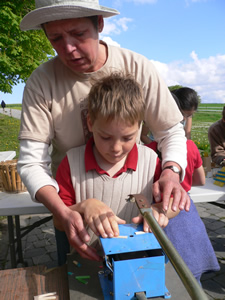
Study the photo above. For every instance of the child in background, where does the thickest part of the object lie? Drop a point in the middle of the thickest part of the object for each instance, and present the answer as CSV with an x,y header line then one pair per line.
x,y
96,179
187,101
216,135
188,104
191,241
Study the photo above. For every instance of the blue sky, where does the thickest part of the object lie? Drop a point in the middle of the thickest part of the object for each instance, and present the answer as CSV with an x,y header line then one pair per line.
x,y
185,39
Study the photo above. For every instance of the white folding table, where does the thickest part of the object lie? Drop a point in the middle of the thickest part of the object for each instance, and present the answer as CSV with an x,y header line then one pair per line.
x,y
7,155
208,192
14,205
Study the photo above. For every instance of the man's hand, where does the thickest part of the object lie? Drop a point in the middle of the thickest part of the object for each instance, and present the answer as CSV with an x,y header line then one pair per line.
x,y
167,185
69,221
78,236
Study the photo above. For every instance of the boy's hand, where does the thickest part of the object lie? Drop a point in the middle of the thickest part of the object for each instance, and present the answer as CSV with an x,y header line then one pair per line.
x,y
158,213
100,218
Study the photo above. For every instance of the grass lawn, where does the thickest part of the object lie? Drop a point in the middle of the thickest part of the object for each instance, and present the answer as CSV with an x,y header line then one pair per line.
x,y
14,106
9,130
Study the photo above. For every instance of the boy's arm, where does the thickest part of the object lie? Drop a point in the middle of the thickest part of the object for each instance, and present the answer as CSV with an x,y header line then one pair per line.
x,y
198,177
161,216
187,128
144,134
99,217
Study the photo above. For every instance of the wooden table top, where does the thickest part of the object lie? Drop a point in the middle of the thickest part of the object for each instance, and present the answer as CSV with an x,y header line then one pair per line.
x,y
25,283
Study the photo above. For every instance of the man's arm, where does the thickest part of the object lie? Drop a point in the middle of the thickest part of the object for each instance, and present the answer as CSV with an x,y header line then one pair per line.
x,y
172,145
33,167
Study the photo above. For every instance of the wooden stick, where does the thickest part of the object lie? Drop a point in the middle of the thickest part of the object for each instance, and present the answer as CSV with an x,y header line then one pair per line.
x,y
13,177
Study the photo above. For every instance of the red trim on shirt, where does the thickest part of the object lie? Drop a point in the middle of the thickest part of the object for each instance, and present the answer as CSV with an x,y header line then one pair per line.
x,y
91,163
63,177
194,161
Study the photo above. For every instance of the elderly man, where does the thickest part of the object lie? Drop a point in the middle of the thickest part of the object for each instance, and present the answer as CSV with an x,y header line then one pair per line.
x,y
54,107
216,135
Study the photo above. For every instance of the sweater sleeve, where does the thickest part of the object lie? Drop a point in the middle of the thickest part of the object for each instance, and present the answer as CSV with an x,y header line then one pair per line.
x,y
33,166
172,145
158,169
63,178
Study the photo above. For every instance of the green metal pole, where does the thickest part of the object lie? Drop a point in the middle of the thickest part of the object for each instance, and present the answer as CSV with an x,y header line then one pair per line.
x,y
189,281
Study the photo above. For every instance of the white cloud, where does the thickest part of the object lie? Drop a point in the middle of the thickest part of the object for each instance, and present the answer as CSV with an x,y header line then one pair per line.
x,y
109,41
115,26
206,76
143,1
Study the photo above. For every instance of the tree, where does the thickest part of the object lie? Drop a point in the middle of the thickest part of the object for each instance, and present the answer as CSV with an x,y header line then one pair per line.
x,y
20,52
175,87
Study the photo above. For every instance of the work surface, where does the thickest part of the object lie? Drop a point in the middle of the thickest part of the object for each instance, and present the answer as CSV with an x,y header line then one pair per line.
x,y
207,193
25,283
92,290
7,155
19,204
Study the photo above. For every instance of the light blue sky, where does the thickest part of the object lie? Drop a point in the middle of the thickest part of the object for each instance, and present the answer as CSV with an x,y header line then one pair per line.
x,y
185,39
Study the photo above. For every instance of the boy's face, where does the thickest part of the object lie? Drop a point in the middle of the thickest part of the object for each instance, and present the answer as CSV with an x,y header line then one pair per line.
x,y
113,139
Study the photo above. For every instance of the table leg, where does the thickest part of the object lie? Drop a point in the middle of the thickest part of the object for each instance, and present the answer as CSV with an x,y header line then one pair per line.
x,y
19,242
11,241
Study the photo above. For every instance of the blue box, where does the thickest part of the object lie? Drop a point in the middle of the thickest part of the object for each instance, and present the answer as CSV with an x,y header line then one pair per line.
x,y
134,263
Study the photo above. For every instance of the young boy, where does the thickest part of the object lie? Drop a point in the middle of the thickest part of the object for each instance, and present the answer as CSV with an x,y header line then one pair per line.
x,y
96,179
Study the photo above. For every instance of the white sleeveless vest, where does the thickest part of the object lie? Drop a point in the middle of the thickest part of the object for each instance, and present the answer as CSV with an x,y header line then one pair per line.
x,y
114,191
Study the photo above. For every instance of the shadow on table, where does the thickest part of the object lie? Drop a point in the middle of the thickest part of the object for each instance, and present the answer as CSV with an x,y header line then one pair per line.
x,y
79,290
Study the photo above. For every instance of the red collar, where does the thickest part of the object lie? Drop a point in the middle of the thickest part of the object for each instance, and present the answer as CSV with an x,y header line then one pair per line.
x,y
91,163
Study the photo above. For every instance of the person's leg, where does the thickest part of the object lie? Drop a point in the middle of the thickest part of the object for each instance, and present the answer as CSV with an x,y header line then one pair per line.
x,y
63,246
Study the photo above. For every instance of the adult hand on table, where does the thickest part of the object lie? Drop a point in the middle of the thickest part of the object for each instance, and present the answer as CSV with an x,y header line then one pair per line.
x,y
167,185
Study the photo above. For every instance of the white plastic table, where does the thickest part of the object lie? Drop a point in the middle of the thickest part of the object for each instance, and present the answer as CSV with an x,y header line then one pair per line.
x,y
207,193
7,155
14,205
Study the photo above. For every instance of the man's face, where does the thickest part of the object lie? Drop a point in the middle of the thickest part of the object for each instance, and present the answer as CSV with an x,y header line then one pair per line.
x,y
76,43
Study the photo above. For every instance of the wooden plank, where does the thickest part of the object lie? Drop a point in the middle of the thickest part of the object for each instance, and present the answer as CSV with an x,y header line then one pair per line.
x,y
25,283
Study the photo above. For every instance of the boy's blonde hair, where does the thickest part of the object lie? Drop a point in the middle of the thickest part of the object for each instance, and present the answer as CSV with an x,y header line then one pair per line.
x,y
117,96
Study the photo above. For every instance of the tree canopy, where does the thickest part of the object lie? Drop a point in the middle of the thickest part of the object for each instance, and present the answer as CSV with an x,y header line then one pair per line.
x,y
20,51
175,87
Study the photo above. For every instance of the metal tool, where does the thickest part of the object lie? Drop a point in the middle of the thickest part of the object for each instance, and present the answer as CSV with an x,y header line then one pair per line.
x,y
189,281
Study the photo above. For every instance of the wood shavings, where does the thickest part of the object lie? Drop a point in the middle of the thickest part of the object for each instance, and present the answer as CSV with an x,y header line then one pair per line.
x,y
48,296
50,270
76,263
140,232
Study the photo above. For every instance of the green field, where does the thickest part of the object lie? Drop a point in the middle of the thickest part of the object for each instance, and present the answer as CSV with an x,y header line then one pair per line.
x,y
14,106
202,119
